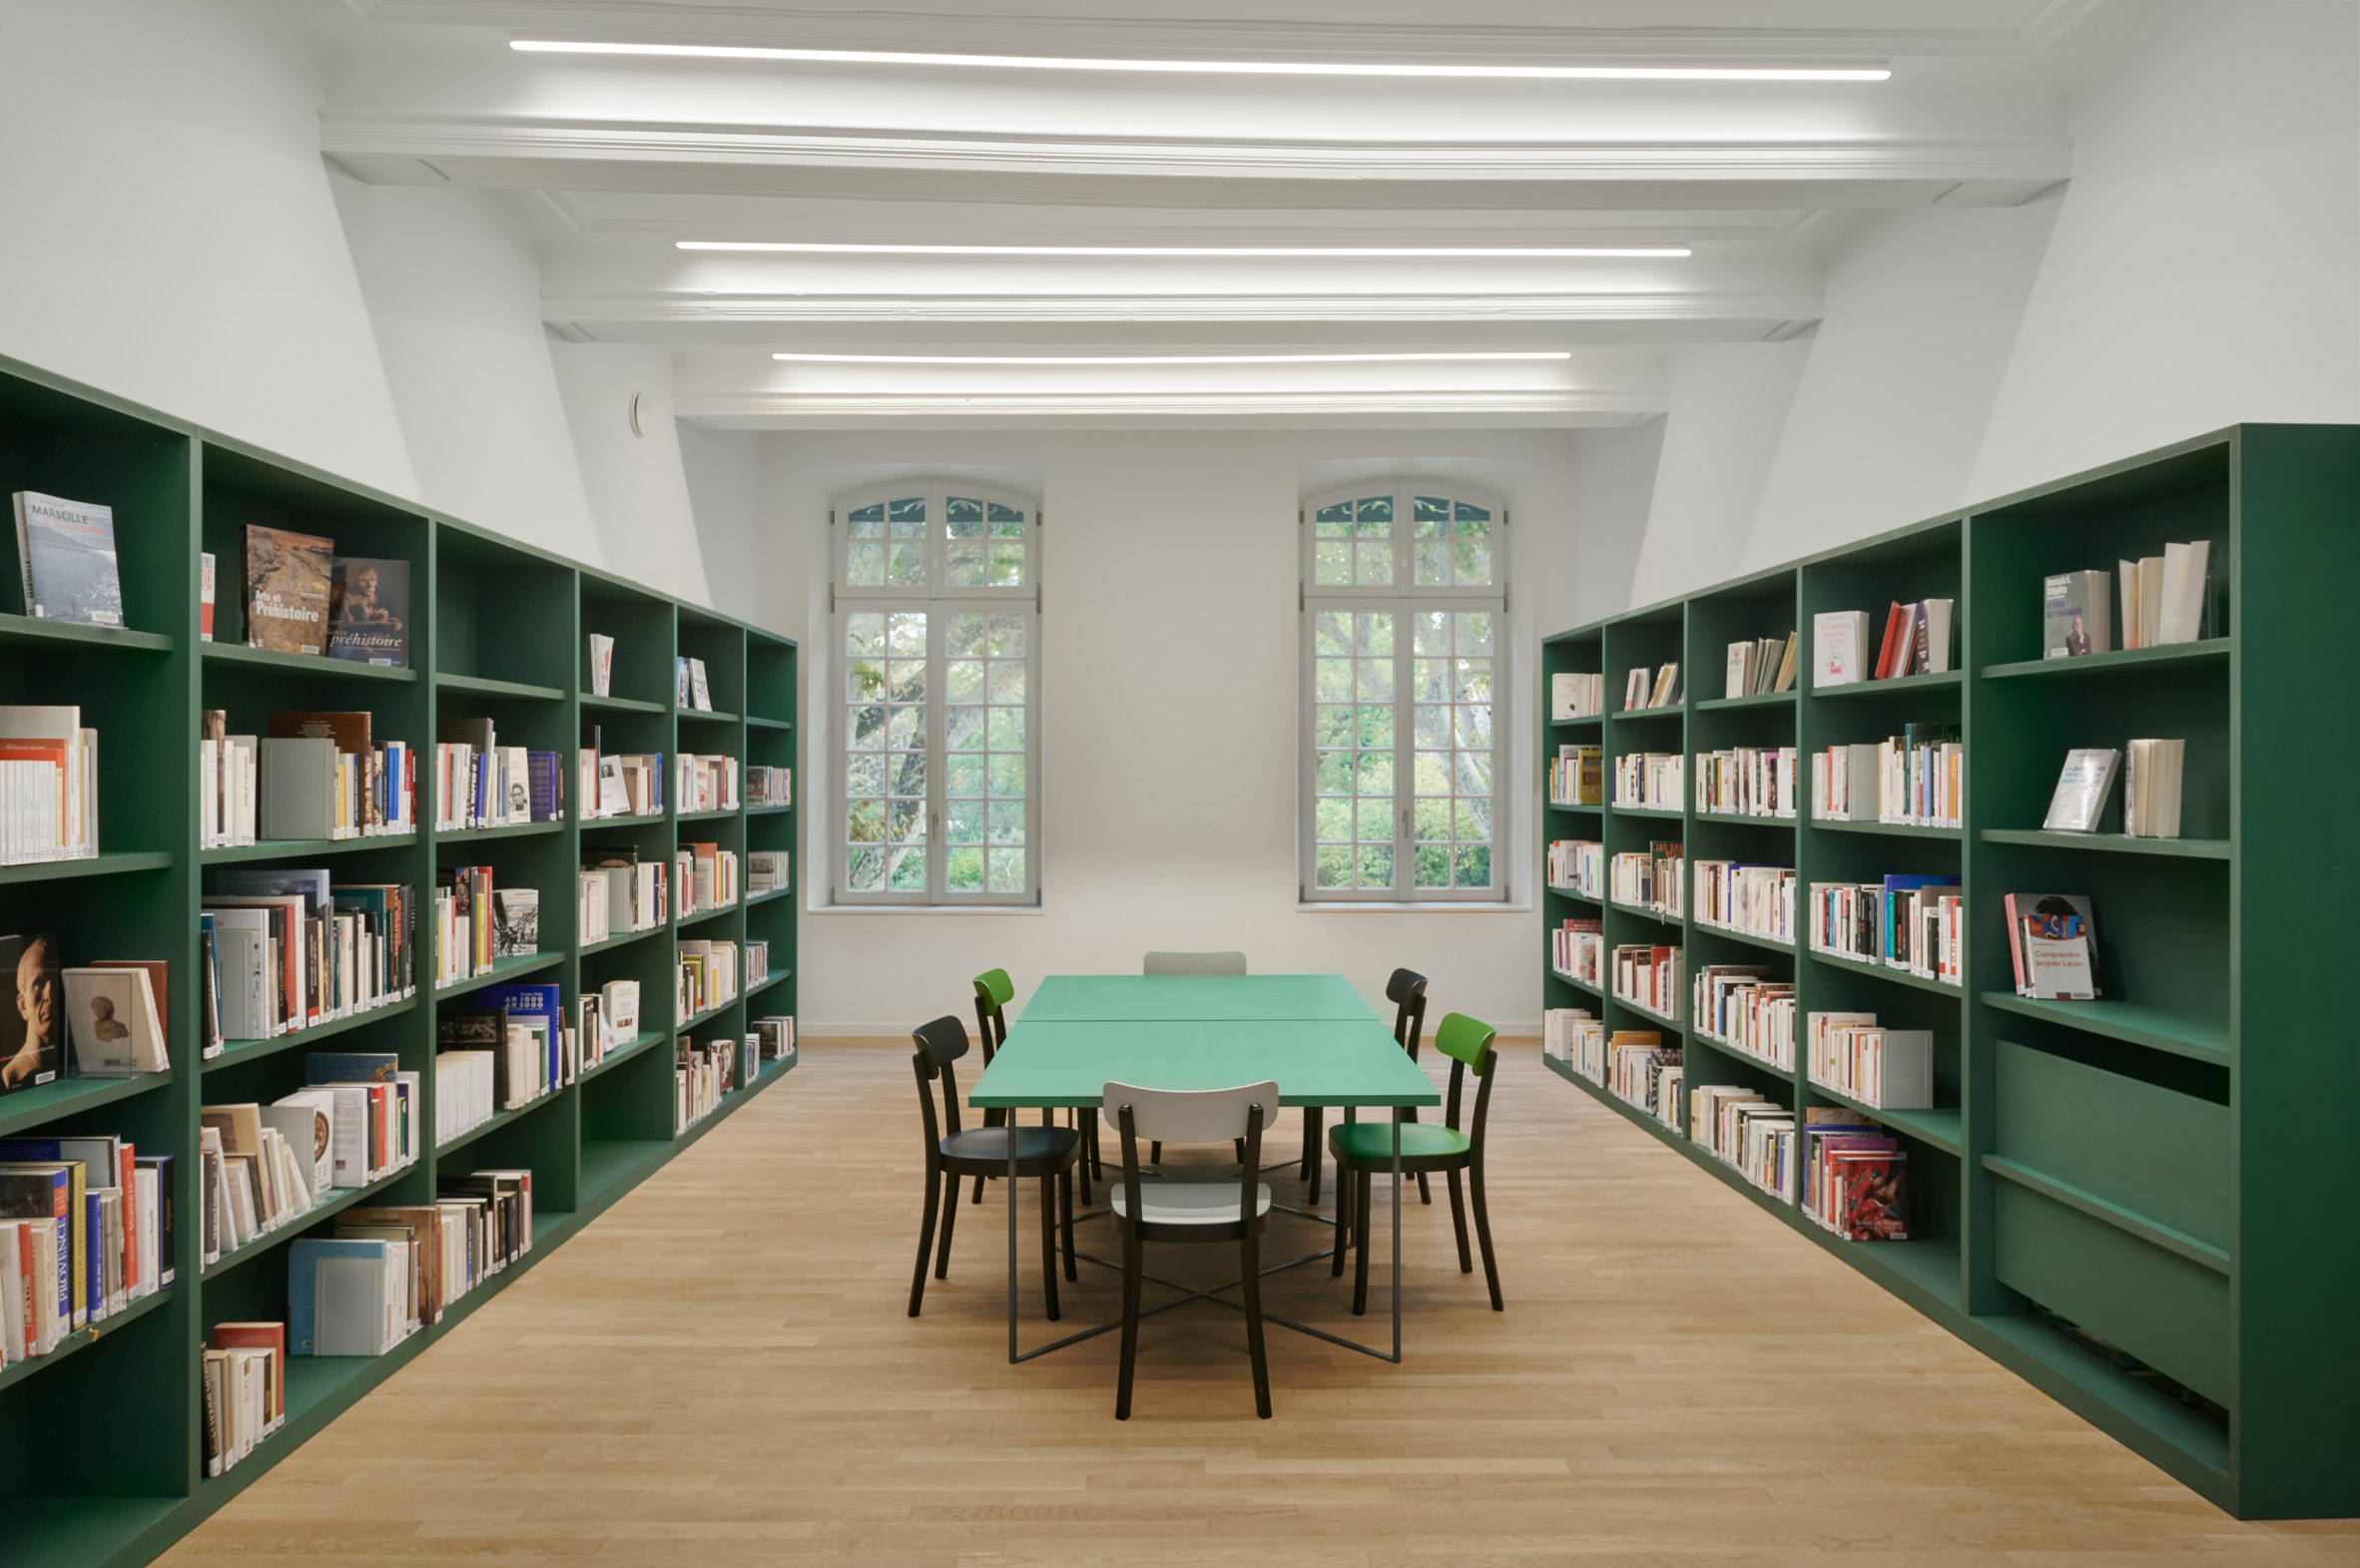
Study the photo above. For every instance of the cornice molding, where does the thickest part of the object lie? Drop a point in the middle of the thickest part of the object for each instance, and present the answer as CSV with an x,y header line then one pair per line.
x,y
442,136
683,306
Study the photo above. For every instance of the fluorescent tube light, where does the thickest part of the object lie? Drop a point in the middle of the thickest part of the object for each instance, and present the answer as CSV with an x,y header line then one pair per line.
x,y
1160,358
1536,73
830,247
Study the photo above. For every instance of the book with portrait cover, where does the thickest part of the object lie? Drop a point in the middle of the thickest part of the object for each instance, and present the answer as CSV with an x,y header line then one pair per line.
x,y
67,550
287,580
32,1019
368,611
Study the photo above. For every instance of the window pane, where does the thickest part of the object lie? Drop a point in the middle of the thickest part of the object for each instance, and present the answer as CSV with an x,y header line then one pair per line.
x,y
1376,726
1334,867
1474,863
908,873
962,518
865,727
1376,867
905,822
1008,637
963,872
867,871
1331,563
1333,820
1332,681
1330,725
1332,522
1008,729
1375,772
962,681
1475,522
963,565
866,522
1006,521
907,517
865,822
1474,822
1432,632
1473,563
962,728
1434,867
865,633
963,822
905,680
1473,683
1375,514
863,774
1375,680
1007,821
1372,564
1474,632
1008,681
1434,726
865,680
1475,773
905,773
1431,821
1430,772
905,633
906,726
962,636
963,775
1430,517
1429,680
864,565
1008,777
908,568
1007,870
1331,634
1434,564
1376,819
1372,630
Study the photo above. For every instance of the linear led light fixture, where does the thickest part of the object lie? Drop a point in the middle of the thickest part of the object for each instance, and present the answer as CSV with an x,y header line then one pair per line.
x,y
1193,250
1535,73
1162,358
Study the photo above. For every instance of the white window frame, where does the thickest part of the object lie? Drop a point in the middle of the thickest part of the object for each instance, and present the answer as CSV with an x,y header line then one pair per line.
x,y
938,602
1402,597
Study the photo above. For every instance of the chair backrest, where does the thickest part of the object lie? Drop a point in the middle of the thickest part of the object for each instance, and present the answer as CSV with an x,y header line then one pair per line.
x,y
994,991
1193,963
1192,1116
939,1044
1467,1043
1406,991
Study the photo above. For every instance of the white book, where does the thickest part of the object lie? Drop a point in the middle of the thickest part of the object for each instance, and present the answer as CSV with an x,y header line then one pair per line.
x,y
602,665
350,1296
2081,790
1837,638
2126,580
2184,595
2059,967
2150,600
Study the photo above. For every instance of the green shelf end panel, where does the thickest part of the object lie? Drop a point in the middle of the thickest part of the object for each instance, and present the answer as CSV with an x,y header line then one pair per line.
x,y
497,630
2099,1193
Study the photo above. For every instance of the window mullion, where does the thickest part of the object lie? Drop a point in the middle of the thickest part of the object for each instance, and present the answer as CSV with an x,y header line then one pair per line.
x,y
1404,714
937,877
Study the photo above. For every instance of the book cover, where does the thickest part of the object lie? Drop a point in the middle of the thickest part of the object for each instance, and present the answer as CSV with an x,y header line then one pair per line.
x,y
33,1030
2083,786
158,1167
516,923
351,1067
602,665
1873,1205
368,611
66,549
2054,915
204,597
117,1028
2075,617
289,577
1838,638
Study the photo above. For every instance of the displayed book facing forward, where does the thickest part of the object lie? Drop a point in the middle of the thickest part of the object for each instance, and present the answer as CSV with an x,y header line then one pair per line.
x,y
67,552
368,611
2082,789
290,578
2075,615
1574,694
2053,943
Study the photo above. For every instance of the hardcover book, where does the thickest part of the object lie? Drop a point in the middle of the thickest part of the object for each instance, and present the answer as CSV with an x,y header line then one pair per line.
x,y
516,923
289,577
66,549
2077,615
368,611
33,1029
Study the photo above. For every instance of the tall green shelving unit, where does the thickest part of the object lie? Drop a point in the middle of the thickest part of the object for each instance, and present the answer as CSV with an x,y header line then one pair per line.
x,y
100,1459
2168,1169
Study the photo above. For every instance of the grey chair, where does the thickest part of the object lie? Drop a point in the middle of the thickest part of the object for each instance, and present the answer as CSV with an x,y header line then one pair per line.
x,y
1220,1210
1193,963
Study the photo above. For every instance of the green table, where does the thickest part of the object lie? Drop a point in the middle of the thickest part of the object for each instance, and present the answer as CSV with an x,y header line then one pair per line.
x,y
1093,998
1309,1034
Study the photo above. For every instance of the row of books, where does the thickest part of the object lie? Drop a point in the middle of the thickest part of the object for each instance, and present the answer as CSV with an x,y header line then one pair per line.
x,y
623,784
287,948
477,923
1756,900
707,976
2152,785
315,774
389,1273
1746,1008
706,784
1917,641
770,786
708,877
478,782
1573,1036
1913,923
1748,1131
1761,666
1655,780
1648,976
705,1075
1577,866
1747,781
1889,1069
1576,777
48,807
245,1390
87,1232
2164,599
1917,778
2052,945
1644,1071
1578,948
511,1045
113,1009
1648,878
356,1120
620,893
689,686
1574,695
1855,1177
1641,690
767,871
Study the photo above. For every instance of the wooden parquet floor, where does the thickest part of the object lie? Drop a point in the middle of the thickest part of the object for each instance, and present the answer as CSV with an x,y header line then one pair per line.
x,y
719,1371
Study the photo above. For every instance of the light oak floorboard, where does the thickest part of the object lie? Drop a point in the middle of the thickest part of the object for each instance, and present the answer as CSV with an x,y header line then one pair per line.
x,y
719,1371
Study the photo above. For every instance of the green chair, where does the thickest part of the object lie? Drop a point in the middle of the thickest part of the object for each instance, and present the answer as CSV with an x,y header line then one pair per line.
x,y
1364,1149
994,991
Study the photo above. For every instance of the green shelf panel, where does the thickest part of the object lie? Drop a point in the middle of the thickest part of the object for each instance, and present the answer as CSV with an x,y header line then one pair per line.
x,y
303,848
2158,1030
1579,984
1573,806
83,1339
314,664
237,1052
1887,829
1646,914
619,940
502,972
87,865
760,722
2110,843
1659,812
775,977
763,898
1577,893
2194,1249
620,704
1917,982
1667,711
70,1097
458,835
709,1013
271,1240
1742,820
34,631
622,1163
707,817
1772,943
1948,680
620,1054
707,715
1941,1128
1785,699
702,916
1582,722
768,810
2129,661
484,686
1664,1020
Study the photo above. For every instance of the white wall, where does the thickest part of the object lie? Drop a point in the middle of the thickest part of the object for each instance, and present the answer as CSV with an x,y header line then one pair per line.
x,y
171,238
1169,715
643,525
1613,488
1728,411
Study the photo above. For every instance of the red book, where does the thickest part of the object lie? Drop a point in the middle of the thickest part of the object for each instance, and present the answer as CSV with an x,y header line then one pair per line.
x,y
1876,1196
1886,650
260,1337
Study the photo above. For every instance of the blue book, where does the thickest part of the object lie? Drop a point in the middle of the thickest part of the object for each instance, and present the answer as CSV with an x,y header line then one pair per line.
x,y
303,1259
351,1067
543,785
541,1006
94,1256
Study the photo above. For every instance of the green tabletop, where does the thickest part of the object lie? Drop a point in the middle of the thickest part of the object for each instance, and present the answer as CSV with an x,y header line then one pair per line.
x,y
1091,998
1313,1061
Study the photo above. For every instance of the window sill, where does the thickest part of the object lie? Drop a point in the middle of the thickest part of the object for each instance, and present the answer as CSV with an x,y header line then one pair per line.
x,y
926,909
1435,906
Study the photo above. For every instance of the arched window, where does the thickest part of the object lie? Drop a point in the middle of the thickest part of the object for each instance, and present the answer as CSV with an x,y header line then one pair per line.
x,y
1404,655
937,742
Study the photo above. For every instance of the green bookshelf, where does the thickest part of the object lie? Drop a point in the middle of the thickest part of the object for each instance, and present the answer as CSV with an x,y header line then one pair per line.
x,y
2117,1200
498,629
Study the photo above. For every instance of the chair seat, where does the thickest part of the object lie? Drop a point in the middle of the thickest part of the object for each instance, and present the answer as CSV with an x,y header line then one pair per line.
x,y
1189,1202
1370,1143
991,1144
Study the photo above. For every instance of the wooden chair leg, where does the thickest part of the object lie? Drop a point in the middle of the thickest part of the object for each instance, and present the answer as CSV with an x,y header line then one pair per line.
x,y
1249,1256
1130,1352
926,1242
1066,1203
1048,1241
1483,1219
1314,1143
1344,1179
1361,1200
949,1222
1458,1224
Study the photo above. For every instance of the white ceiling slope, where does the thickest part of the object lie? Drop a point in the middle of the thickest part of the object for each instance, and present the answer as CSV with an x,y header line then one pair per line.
x,y
608,159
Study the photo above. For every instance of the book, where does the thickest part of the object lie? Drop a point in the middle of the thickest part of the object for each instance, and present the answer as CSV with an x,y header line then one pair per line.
x,y
602,665
2075,615
1930,623
32,1031
2059,921
700,694
1838,641
516,923
204,597
368,611
48,784
2082,789
289,577
2152,787
116,1024
67,552
1572,695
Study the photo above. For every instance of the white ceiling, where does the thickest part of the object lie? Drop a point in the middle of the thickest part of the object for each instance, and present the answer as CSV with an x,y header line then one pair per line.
x,y
607,160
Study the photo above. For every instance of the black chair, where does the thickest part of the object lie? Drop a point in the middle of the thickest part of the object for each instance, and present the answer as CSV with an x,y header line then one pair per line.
x,y
1184,1210
952,1155
1406,991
